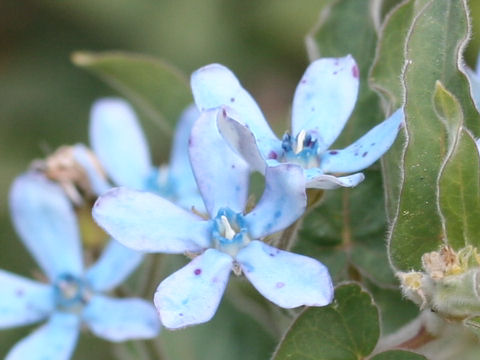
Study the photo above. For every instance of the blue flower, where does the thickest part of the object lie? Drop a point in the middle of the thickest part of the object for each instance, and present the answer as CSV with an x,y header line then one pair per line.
x,y
45,221
229,239
323,102
474,79
120,145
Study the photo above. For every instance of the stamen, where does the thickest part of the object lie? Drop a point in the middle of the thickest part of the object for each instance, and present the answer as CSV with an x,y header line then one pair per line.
x,y
229,232
300,139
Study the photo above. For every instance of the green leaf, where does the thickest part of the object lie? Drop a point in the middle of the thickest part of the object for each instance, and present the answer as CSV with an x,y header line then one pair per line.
x,y
435,39
459,180
459,193
160,91
398,355
385,78
395,309
346,329
347,233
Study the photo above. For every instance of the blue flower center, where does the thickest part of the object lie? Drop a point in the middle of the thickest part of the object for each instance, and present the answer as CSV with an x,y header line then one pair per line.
x,y
300,150
229,233
71,293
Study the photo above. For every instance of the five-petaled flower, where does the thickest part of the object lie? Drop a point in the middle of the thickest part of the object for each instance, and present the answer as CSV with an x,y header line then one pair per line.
x,y
45,220
323,102
120,145
229,240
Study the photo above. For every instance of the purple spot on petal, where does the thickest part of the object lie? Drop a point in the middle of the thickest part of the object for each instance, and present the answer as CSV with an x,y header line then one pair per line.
x,y
355,71
189,141
181,314
364,154
372,144
312,109
356,154
280,285
333,152
335,72
19,292
197,271
232,99
336,63
272,155
303,81
233,166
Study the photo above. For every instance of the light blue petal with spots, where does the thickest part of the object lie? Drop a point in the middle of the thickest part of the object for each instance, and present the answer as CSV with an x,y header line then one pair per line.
x,y
45,221
243,141
55,340
474,79
192,294
222,175
318,180
23,301
118,141
216,86
283,201
325,98
180,174
286,279
147,222
115,264
366,150
121,319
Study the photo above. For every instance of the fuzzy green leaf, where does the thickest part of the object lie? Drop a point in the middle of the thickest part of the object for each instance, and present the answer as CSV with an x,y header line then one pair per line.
x,y
435,39
160,91
459,193
346,329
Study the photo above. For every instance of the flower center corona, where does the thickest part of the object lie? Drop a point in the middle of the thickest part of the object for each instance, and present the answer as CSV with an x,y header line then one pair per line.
x,y
71,293
301,150
230,233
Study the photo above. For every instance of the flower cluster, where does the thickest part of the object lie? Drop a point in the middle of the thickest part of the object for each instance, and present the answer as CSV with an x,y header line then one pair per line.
x,y
196,206
44,218
228,141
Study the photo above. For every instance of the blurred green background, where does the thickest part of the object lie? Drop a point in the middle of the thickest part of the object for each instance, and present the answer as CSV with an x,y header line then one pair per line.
x,y
45,100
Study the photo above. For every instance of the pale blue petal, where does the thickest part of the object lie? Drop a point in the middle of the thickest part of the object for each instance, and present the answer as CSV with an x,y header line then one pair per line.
x,y
366,150
318,180
115,265
243,141
286,279
216,86
44,218
97,181
477,68
23,301
283,201
191,295
121,319
55,340
474,79
325,98
118,141
147,222
222,175
180,174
